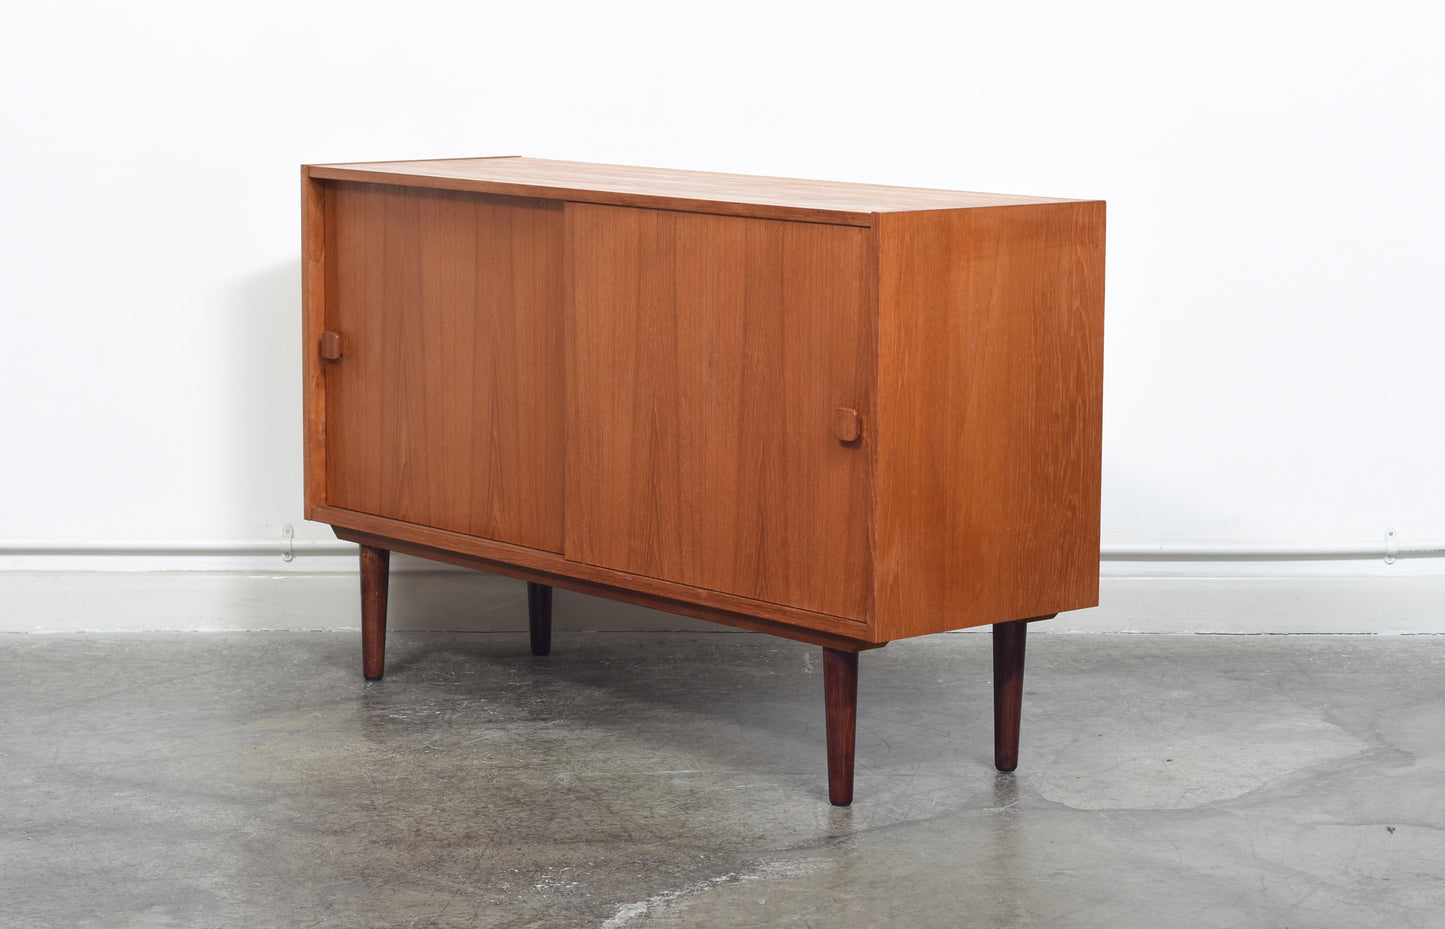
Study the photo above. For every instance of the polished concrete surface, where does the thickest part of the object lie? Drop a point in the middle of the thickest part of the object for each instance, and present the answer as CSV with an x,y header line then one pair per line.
x,y
650,780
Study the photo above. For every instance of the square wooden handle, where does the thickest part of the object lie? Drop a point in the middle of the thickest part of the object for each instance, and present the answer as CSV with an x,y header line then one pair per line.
x,y
847,425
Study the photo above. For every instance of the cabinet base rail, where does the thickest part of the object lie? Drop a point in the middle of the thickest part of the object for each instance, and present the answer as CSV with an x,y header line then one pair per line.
x,y
840,671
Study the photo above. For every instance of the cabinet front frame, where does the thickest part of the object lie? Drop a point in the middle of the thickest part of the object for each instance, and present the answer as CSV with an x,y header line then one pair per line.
x,y
848,632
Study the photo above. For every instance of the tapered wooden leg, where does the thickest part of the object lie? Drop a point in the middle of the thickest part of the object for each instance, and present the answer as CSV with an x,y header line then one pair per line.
x,y
375,573
1008,692
539,617
840,695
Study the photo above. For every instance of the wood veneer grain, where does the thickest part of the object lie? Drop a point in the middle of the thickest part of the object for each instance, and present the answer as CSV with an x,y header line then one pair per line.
x,y
313,321
548,568
708,357
661,188
989,414
447,408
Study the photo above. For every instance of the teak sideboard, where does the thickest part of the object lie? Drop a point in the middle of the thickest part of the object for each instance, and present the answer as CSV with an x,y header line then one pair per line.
x,y
839,413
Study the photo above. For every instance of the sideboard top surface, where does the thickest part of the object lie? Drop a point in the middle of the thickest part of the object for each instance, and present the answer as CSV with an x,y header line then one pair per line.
x,y
781,198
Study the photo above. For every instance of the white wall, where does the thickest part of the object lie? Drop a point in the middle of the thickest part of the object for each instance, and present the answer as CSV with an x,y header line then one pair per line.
x,y
1276,311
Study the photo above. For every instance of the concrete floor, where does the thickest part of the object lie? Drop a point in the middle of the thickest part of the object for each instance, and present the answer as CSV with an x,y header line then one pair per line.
x,y
651,780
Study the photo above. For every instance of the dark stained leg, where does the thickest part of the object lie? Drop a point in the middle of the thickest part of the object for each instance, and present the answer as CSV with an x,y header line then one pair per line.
x,y
539,617
1008,692
375,572
840,695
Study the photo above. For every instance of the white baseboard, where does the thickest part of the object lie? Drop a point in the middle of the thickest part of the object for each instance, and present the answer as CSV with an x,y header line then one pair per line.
x,y
442,599
424,599
1300,604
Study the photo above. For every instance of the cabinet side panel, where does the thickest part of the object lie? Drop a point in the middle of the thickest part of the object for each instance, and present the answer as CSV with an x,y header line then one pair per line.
x,y
313,315
990,411
711,355
446,407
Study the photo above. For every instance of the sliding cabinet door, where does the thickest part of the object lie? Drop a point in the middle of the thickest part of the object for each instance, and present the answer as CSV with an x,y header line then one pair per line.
x,y
446,407
710,357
